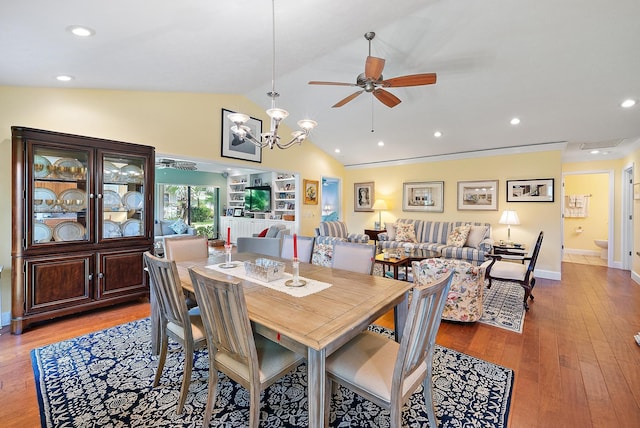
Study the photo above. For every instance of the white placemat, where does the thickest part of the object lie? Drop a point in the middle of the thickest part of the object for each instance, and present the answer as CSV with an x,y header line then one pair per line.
x,y
312,286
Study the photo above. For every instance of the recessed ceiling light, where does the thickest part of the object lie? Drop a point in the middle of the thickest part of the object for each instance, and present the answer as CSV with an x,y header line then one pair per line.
x,y
628,103
515,121
64,78
437,134
380,143
594,152
80,31
337,150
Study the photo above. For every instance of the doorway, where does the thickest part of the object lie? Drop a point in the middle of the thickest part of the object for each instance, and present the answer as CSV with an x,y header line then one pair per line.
x,y
587,217
330,198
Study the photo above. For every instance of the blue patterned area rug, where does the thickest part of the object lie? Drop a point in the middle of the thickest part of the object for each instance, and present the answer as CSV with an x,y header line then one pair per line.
x,y
502,306
104,379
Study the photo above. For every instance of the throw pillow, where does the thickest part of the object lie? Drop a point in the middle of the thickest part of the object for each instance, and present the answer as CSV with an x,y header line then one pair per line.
x,y
405,232
263,233
476,235
179,226
391,231
273,231
458,236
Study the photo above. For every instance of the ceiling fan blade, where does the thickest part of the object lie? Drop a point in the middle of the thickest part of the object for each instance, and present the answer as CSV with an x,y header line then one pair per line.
x,y
410,80
314,82
373,67
386,97
346,100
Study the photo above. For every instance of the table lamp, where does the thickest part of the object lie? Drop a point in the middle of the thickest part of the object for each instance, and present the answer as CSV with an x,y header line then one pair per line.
x,y
379,205
509,217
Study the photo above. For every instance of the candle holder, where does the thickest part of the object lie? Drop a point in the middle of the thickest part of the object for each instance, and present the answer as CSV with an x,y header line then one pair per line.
x,y
227,252
295,281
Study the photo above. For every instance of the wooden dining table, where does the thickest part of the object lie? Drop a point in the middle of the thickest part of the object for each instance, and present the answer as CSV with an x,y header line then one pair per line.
x,y
318,324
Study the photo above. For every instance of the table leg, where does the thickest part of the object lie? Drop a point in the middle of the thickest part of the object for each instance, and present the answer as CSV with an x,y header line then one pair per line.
x,y
316,386
400,313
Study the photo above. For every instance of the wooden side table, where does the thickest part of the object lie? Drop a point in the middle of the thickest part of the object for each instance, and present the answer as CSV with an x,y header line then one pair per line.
x,y
373,233
394,262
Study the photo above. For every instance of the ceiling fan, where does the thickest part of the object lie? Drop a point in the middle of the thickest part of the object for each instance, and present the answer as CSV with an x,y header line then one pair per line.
x,y
372,81
176,164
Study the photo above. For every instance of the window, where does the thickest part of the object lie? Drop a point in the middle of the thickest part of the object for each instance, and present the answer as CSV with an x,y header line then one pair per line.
x,y
197,205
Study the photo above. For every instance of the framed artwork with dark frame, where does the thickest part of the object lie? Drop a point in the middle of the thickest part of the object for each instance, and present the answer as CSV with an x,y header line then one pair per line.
x,y
478,195
534,190
237,212
363,196
425,196
233,147
310,191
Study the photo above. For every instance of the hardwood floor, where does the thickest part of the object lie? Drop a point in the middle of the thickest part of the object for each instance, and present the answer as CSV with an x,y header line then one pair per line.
x,y
576,363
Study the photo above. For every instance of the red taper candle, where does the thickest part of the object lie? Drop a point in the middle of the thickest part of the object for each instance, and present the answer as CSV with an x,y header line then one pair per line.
x,y
295,246
228,236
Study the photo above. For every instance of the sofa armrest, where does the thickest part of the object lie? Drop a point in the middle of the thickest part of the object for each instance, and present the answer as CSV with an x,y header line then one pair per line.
x,y
486,245
359,238
383,236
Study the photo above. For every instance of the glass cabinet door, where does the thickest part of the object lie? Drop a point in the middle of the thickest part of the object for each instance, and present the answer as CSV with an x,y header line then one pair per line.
x,y
123,196
60,195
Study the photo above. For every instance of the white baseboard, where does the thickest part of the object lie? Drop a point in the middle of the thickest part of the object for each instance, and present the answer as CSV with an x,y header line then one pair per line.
x,y
582,252
635,277
548,274
5,319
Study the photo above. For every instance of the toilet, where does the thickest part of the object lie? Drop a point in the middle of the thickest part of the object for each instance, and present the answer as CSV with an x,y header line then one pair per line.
x,y
603,244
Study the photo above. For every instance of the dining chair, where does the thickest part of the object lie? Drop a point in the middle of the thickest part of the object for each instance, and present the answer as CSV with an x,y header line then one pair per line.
x,y
247,358
386,372
511,271
354,257
175,320
305,248
184,248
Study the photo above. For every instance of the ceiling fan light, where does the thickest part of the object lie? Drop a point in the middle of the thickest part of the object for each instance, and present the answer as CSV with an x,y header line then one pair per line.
x,y
307,124
628,103
238,118
277,114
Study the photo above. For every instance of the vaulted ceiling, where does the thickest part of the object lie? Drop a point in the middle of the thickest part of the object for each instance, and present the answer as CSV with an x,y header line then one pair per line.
x,y
562,67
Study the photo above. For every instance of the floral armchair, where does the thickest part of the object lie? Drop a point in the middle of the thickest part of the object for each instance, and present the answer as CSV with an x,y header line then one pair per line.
x,y
464,302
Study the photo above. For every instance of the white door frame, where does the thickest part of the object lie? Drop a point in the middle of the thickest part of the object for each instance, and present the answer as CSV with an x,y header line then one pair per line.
x,y
626,223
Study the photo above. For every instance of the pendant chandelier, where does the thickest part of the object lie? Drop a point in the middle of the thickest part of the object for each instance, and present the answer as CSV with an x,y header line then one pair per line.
x,y
271,139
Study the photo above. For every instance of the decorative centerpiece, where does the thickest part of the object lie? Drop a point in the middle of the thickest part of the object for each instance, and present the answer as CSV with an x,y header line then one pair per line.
x,y
264,269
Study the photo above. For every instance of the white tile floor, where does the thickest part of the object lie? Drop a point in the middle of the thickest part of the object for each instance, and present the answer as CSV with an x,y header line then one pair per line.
x,y
585,260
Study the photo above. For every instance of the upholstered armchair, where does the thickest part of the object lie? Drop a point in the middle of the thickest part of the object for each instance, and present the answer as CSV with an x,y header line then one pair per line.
x,y
464,300
338,229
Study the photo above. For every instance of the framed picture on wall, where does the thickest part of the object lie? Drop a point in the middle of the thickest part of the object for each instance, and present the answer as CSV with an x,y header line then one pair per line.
x,y
425,196
231,146
363,196
310,191
535,190
478,195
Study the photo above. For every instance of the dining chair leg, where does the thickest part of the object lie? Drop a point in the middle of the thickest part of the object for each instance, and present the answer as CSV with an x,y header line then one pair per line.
x,y
254,405
186,376
212,393
161,360
427,391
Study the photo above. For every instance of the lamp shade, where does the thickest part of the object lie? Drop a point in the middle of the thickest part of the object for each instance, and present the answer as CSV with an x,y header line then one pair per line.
x,y
509,217
379,204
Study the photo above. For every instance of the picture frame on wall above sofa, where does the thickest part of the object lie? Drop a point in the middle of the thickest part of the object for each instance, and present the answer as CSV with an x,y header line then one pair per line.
x,y
363,196
425,196
534,190
478,195
310,191
233,147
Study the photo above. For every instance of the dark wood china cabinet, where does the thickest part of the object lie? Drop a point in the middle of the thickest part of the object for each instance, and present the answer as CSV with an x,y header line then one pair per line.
x,y
82,212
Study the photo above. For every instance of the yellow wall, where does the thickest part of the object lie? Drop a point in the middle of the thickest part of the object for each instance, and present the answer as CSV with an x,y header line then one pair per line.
x,y
534,216
174,123
580,232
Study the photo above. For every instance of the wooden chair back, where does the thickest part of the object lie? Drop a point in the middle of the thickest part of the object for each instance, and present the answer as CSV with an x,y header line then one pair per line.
x,y
305,248
353,257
